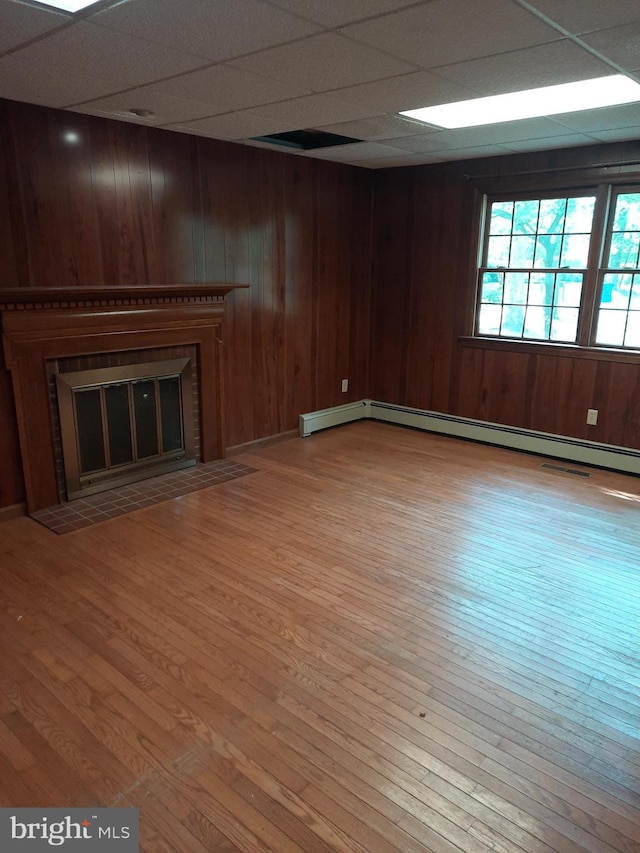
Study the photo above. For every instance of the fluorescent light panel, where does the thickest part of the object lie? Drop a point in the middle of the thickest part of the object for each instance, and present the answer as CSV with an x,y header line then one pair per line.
x,y
547,101
68,5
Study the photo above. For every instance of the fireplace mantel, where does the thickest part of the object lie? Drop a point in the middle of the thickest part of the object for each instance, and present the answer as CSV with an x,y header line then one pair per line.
x,y
17,298
40,325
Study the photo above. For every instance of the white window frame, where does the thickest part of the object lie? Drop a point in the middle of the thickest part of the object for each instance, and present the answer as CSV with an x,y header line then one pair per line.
x,y
594,273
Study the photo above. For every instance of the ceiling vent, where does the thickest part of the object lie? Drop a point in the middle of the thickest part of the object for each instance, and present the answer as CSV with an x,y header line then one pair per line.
x,y
304,140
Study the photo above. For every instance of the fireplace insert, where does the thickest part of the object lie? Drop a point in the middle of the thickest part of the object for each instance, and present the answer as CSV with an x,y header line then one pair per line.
x,y
123,424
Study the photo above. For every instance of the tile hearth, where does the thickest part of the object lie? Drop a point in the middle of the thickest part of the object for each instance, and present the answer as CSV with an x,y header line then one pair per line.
x,y
73,515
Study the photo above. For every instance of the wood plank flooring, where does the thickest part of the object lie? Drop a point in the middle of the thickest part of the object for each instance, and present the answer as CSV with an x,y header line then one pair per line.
x,y
381,641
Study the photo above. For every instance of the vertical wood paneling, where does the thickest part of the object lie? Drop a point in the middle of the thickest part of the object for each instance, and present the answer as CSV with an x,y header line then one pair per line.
x,y
300,287
298,232
34,203
9,216
432,293
127,204
337,282
11,482
423,295
616,395
471,400
69,199
391,251
418,379
177,215
223,182
332,298
118,205
105,199
495,389
267,280
130,187
359,352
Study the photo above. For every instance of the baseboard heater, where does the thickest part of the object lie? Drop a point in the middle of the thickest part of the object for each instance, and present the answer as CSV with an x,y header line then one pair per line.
x,y
541,443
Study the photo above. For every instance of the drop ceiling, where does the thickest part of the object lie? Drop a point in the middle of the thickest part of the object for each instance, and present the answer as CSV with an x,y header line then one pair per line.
x,y
237,69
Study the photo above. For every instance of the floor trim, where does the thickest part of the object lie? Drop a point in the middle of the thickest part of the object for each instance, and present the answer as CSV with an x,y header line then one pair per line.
x,y
259,443
582,451
7,513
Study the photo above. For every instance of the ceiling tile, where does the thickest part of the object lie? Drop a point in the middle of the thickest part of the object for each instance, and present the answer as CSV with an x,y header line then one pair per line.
x,y
311,111
472,152
217,30
422,144
227,88
91,65
407,92
569,141
285,73
166,110
619,44
240,125
583,16
22,80
542,65
446,31
509,131
191,131
322,62
354,151
22,23
377,127
622,134
606,118
338,12
390,162
113,115
503,133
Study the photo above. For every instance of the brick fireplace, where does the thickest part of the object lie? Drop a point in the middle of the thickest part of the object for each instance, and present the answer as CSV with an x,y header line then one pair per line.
x,y
47,331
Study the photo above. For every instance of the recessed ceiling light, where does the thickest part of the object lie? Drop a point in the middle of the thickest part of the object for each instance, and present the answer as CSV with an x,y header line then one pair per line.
x,y
547,101
69,5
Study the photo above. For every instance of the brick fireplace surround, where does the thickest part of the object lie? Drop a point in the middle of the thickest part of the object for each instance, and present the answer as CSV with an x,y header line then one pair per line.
x,y
42,325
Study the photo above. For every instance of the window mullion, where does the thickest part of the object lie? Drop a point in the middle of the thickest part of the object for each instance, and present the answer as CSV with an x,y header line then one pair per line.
x,y
592,283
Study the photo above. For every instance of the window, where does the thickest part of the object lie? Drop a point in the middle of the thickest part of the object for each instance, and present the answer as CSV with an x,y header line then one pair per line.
x,y
619,310
540,278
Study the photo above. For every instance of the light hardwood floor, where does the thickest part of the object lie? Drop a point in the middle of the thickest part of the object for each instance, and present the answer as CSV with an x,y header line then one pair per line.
x,y
382,641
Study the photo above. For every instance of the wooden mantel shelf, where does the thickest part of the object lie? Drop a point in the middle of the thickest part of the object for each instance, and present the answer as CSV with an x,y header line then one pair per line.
x,y
29,296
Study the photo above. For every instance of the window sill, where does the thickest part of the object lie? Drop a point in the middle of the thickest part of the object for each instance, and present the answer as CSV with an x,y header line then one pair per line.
x,y
552,349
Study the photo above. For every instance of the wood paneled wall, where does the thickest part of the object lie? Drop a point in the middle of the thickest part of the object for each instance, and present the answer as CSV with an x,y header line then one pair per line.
x,y
425,223
88,201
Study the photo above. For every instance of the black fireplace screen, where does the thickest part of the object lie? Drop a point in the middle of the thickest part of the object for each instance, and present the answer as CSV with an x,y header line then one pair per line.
x,y
123,424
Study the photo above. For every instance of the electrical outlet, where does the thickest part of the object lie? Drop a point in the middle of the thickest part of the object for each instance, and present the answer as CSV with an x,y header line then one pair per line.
x,y
345,385
592,417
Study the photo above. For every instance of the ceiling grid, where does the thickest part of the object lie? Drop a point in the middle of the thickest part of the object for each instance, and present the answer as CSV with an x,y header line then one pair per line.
x,y
237,69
